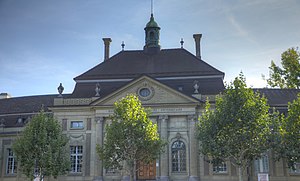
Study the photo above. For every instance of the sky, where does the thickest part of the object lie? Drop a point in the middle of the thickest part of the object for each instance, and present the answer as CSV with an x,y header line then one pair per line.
x,y
47,42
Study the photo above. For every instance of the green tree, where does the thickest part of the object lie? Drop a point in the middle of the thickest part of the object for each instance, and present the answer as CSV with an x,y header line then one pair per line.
x,y
289,138
41,148
130,137
238,129
289,75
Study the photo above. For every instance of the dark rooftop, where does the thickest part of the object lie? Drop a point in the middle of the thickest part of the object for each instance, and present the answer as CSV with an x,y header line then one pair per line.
x,y
165,63
14,112
279,97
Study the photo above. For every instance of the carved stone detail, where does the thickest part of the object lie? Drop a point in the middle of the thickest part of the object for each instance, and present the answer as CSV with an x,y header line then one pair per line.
x,y
192,117
2,122
99,120
77,137
97,90
163,117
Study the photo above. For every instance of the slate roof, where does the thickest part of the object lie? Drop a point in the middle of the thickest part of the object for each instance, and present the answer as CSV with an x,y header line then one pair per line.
x,y
206,86
165,63
12,109
279,97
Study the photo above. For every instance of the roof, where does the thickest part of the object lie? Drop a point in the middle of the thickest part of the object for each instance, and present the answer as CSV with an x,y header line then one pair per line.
x,y
12,109
165,63
186,86
25,104
279,97
152,23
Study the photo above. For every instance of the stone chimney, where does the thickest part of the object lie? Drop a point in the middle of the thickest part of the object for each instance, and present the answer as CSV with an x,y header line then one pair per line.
x,y
197,38
106,47
5,96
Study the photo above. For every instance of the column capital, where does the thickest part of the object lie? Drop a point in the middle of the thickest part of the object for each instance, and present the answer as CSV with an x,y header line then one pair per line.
x,y
163,117
99,120
192,117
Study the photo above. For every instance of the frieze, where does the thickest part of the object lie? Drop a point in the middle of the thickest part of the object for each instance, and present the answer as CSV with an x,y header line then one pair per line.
x,y
61,101
154,111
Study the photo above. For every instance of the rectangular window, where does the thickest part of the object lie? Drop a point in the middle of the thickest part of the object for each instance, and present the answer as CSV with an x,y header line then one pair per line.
x,y
77,124
76,158
296,168
220,168
262,164
11,163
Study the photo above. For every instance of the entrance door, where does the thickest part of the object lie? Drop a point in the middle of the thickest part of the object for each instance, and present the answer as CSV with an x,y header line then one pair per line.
x,y
146,171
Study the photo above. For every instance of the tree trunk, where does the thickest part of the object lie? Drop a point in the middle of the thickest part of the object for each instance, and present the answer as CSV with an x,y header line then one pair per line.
x,y
132,170
131,175
240,173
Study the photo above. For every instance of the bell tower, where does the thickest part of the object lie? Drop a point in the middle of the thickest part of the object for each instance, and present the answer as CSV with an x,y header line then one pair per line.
x,y
152,34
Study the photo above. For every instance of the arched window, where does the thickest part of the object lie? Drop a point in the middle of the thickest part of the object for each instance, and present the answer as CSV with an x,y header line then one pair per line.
x,y
178,156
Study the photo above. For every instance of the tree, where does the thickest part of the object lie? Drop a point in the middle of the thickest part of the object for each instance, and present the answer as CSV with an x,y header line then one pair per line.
x,y
239,128
41,148
130,137
289,75
289,138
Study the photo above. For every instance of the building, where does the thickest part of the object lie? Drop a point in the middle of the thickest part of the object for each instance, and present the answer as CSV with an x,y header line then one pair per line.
x,y
173,82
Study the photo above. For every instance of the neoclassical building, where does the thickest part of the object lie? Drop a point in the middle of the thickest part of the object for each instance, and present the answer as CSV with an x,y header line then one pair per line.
x,y
174,83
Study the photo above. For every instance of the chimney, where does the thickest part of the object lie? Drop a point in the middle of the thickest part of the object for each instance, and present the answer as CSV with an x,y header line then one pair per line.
x,y
5,96
197,38
106,47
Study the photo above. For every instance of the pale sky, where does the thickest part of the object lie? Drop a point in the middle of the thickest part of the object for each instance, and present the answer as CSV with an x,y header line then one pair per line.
x,y
47,42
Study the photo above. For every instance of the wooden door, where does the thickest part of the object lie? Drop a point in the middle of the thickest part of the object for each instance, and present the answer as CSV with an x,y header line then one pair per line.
x,y
146,171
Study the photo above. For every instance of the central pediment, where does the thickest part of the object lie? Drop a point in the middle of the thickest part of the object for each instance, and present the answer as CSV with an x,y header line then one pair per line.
x,y
149,91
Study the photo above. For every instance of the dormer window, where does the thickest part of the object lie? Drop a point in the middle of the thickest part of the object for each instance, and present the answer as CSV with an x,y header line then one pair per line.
x,y
19,121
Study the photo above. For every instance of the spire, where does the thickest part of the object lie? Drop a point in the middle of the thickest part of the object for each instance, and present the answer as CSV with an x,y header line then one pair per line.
x,y
152,34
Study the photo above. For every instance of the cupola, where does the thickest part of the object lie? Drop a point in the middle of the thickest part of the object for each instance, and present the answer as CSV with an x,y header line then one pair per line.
x,y
152,35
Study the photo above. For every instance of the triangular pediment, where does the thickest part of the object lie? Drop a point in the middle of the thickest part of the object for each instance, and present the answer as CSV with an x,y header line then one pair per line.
x,y
150,91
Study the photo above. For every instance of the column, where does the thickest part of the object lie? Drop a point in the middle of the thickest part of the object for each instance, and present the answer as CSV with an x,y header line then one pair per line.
x,y
164,163
193,176
99,140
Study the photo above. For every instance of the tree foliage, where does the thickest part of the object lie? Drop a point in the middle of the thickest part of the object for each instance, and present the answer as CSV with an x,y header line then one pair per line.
x,y
41,148
130,137
238,129
288,139
289,75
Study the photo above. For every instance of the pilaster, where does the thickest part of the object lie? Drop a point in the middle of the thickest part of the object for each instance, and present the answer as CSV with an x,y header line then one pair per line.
x,y
99,140
193,176
164,163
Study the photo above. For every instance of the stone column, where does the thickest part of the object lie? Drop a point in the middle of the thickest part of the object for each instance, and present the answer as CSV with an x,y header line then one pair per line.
x,y
164,158
99,140
193,176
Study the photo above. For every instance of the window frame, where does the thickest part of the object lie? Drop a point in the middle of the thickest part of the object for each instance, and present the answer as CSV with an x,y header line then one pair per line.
x,y
179,164
76,159
220,168
78,123
11,167
262,165
297,170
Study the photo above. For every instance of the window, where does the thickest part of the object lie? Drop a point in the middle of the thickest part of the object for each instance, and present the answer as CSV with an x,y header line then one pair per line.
x,y
144,92
178,156
220,167
262,164
77,124
296,168
112,171
151,35
11,163
76,159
